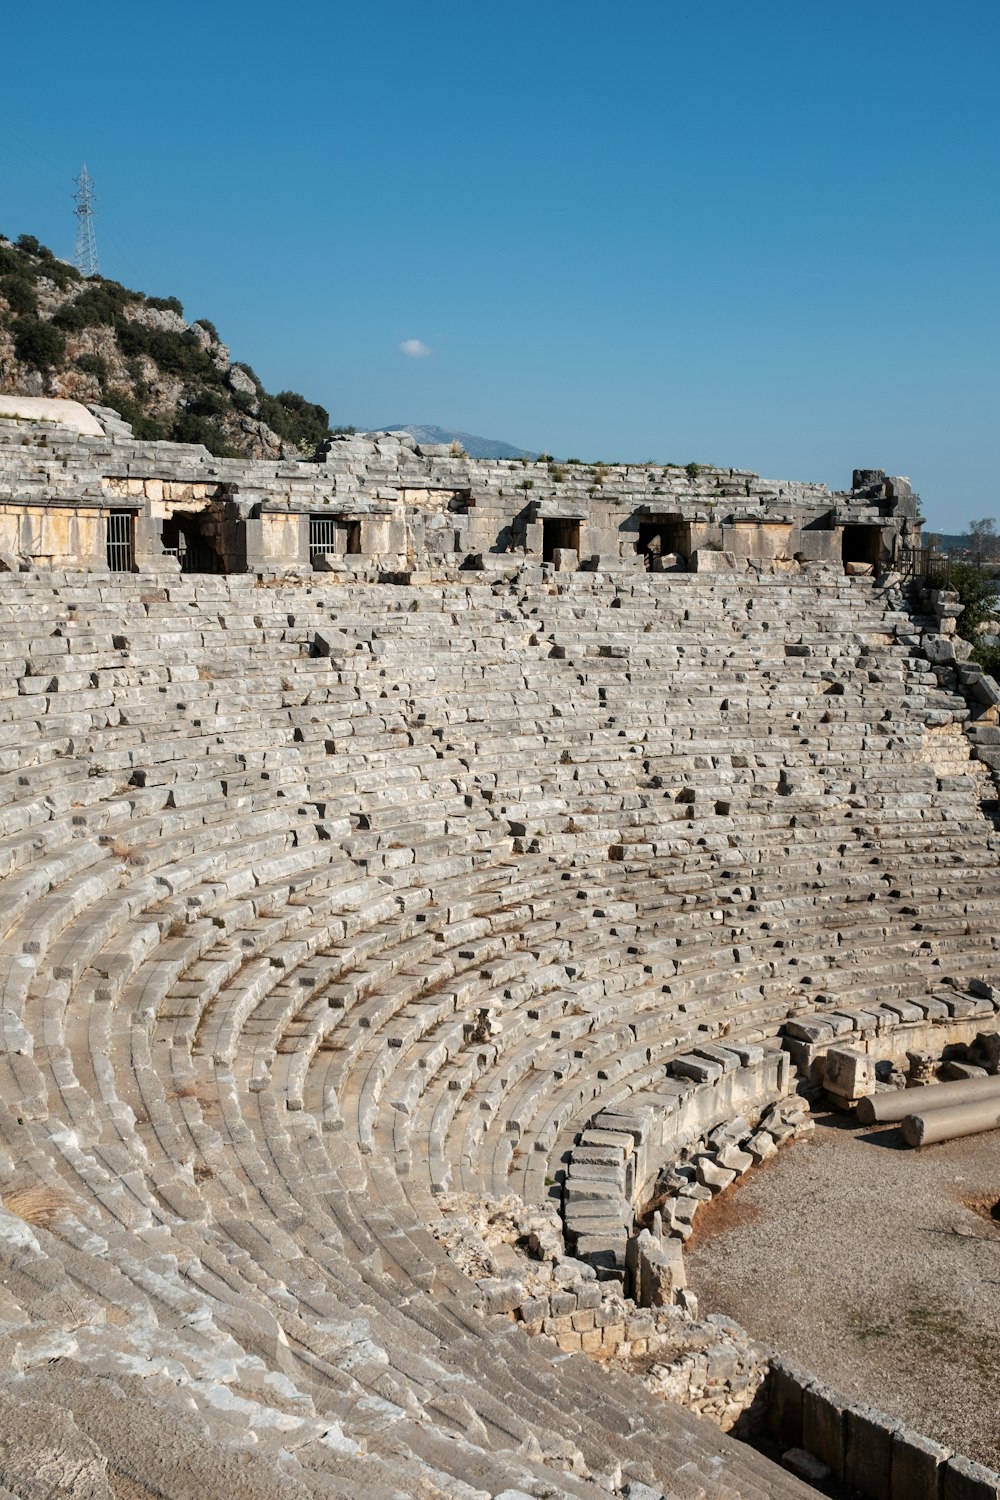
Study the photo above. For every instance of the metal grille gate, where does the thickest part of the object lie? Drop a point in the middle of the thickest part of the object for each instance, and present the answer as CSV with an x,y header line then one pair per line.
x,y
195,556
322,535
120,541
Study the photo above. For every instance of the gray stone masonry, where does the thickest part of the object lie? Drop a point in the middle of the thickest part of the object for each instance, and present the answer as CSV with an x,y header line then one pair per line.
x,y
389,504
333,910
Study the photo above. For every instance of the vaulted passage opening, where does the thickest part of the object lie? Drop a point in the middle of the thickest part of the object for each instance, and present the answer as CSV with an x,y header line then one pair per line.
x,y
557,532
192,537
862,544
657,538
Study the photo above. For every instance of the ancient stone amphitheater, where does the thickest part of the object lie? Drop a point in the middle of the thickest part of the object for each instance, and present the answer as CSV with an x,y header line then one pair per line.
x,y
374,938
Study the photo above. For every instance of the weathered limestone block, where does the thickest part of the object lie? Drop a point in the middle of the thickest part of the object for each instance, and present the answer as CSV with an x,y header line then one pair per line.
x,y
823,1412
710,560
713,1176
868,1448
849,1074
732,1159
945,651
805,1465
961,1479
655,1271
921,1070
987,1045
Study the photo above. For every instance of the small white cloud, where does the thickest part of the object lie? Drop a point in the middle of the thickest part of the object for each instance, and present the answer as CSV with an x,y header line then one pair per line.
x,y
415,349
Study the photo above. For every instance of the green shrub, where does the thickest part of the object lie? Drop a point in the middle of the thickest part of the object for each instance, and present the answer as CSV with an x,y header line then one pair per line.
x,y
29,260
204,403
100,304
189,428
93,364
166,304
692,470
209,328
19,294
174,353
295,419
145,427
133,338
60,272
123,293
975,589
38,344
987,657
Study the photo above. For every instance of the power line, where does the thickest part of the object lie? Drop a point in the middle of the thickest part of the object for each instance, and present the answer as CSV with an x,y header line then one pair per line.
x,y
86,244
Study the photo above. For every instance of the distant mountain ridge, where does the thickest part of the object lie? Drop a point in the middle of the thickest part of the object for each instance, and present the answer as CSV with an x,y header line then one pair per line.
x,y
474,446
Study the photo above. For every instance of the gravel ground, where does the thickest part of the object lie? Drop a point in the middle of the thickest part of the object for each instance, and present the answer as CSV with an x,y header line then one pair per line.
x,y
863,1261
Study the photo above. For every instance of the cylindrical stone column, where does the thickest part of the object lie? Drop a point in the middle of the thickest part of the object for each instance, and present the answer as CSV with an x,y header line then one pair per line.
x,y
883,1109
951,1121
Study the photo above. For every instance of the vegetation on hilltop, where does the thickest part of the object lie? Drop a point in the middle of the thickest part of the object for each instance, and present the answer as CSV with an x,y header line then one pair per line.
x,y
98,342
974,578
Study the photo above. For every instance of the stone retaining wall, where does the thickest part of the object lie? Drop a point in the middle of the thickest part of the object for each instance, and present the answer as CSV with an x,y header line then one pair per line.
x,y
878,1456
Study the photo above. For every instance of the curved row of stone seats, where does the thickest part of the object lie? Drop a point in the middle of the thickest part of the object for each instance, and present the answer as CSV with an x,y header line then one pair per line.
x,y
273,1269
221,1147
260,1257
383,1061
657,1125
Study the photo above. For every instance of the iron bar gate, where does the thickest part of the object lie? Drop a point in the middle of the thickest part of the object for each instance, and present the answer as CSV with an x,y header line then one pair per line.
x,y
322,535
120,548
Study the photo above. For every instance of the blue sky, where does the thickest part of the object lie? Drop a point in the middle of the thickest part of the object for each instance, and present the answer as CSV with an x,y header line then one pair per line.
x,y
762,234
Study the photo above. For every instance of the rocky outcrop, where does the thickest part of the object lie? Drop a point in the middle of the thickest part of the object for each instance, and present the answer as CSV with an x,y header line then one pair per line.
x,y
98,343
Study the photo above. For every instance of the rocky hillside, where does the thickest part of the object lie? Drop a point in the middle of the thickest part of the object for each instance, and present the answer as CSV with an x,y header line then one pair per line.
x,y
97,342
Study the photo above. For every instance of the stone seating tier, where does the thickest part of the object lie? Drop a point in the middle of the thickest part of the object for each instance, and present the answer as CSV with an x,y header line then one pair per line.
x,y
315,906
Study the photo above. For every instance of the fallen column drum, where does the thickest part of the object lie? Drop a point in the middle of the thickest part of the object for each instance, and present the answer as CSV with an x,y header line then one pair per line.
x,y
883,1109
951,1121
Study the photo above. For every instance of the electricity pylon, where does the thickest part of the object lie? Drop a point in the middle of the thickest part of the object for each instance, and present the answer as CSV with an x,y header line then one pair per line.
x,y
86,245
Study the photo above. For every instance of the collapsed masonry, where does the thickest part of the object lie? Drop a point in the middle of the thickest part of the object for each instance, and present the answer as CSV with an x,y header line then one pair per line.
x,y
77,490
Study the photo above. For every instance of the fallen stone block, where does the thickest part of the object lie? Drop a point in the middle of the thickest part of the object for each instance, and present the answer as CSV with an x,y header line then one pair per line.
x,y
713,1176
805,1465
848,1074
